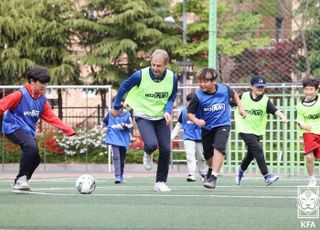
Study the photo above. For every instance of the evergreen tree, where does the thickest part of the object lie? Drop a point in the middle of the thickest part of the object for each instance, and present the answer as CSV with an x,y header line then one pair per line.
x,y
55,42
38,32
123,36
17,25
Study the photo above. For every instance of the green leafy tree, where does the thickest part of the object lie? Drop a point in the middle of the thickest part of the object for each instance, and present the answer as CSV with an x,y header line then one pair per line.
x,y
235,29
306,18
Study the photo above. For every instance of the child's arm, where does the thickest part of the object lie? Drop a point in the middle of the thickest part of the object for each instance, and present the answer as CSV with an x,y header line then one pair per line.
x,y
192,109
128,124
52,119
305,127
236,98
300,122
281,116
176,130
104,125
194,119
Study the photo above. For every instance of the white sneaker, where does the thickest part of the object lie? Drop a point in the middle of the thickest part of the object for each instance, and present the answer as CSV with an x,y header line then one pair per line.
x,y
269,179
147,161
161,187
312,183
191,178
21,184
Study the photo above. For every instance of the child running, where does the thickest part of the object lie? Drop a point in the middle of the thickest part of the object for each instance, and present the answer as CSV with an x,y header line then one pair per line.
x,y
192,144
210,109
257,107
308,118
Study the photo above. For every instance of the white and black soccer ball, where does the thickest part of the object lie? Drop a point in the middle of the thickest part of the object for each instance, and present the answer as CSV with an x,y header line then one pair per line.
x,y
85,184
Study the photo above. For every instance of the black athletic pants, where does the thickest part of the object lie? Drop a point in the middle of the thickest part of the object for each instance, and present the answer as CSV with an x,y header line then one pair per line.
x,y
255,151
30,158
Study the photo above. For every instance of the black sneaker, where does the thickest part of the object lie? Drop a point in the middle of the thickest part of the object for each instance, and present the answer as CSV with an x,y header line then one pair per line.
x,y
207,175
211,182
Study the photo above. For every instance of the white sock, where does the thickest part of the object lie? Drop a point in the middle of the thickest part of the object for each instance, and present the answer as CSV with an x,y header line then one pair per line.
x,y
313,177
214,173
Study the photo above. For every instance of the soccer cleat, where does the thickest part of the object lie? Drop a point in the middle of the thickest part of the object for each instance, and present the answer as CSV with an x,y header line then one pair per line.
x,y
147,161
239,176
118,180
210,182
161,187
269,179
202,177
21,184
191,178
312,183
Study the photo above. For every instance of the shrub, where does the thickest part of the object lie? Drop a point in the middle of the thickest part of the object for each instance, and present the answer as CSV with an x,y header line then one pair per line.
x,y
85,141
55,147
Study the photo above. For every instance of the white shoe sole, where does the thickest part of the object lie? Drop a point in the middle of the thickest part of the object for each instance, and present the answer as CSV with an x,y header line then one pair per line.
x,y
270,183
25,189
312,184
164,189
191,179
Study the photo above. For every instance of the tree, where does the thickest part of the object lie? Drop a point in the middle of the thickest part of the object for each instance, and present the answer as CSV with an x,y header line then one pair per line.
x,y
17,24
126,32
235,30
306,17
39,32
244,33
55,41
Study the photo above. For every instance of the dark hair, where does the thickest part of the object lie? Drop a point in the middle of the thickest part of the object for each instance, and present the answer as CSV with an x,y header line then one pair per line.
x,y
310,82
207,74
38,74
189,96
122,100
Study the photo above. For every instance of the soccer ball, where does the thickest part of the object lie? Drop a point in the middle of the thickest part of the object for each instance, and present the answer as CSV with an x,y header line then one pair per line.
x,y
85,184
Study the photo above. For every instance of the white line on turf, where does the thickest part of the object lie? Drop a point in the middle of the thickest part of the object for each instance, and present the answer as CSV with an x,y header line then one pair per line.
x,y
68,179
164,195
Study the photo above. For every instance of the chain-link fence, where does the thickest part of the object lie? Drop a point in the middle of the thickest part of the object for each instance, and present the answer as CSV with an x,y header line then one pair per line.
x,y
279,39
284,48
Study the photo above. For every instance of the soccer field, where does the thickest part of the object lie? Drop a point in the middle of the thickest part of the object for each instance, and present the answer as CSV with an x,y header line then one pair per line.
x,y
55,204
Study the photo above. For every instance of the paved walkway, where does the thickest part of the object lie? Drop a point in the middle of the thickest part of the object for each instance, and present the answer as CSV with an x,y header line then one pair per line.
x,y
9,171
